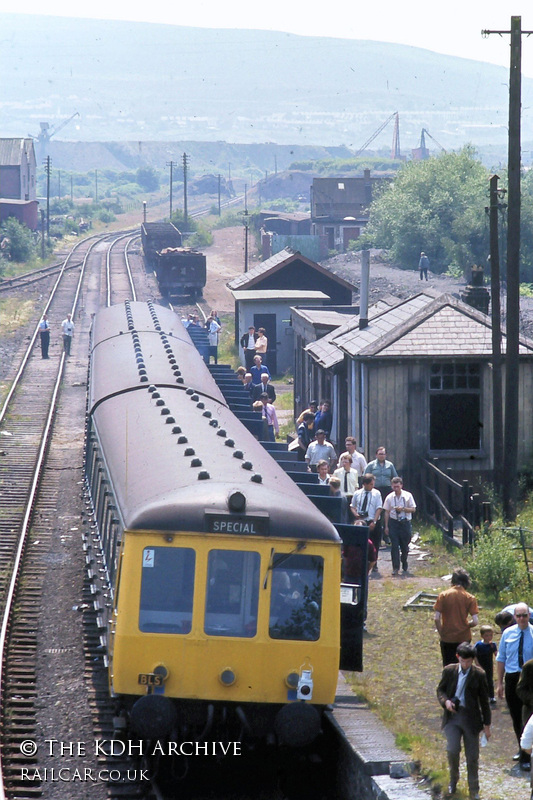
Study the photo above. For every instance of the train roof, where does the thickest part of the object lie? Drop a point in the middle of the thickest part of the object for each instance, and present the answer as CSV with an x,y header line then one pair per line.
x,y
174,451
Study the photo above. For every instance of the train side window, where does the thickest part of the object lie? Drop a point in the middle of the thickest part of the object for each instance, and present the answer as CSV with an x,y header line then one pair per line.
x,y
296,597
232,593
167,589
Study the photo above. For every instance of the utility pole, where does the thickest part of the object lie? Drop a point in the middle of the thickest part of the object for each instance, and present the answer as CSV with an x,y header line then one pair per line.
x,y
42,235
185,214
510,452
96,186
171,164
59,184
48,169
71,189
497,396
219,199
245,229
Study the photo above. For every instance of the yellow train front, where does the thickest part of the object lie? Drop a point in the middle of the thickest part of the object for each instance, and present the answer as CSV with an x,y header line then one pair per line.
x,y
224,578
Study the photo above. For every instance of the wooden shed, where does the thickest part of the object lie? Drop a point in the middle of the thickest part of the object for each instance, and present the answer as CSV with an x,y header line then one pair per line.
x,y
418,379
287,278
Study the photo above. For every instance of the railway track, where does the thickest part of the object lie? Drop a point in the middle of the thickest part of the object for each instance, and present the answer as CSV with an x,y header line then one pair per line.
x,y
28,517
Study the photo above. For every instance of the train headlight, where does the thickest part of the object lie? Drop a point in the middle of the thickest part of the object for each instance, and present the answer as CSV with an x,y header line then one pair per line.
x,y
227,677
304,690
236,501
292,680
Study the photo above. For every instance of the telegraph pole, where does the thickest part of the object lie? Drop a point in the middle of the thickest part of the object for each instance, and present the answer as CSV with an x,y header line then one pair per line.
x,y
185,215
245,229
219,202
510,452
497,396
171,164
48,170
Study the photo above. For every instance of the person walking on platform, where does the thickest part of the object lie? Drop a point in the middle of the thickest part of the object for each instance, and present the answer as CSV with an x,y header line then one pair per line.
x,y
452,609
44,333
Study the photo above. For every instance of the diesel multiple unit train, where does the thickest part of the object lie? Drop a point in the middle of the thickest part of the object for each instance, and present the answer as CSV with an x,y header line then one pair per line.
x,y
223,578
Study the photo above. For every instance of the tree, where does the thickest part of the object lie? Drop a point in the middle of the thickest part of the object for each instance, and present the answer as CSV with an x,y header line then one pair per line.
x,y
437,206
20,242
148,179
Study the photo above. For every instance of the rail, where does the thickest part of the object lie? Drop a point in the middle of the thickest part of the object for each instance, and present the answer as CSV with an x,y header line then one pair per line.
x,y
452,506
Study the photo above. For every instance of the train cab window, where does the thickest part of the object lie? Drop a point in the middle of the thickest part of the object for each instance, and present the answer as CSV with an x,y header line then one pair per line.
x,y
232,593
167,588
296,597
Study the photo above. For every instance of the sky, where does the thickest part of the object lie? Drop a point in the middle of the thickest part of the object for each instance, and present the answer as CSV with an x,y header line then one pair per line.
x,y
452,27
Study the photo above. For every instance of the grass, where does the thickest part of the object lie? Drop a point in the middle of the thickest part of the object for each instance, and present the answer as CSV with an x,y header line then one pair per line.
x,y
14,314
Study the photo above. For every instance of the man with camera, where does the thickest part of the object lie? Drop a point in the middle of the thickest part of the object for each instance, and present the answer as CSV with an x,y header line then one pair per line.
x,y
463,693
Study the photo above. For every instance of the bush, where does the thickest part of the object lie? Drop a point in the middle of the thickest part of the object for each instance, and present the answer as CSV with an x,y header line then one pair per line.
x,y
496,566
21,245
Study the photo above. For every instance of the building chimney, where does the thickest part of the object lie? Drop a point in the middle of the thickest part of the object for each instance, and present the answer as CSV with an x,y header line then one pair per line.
x,y
363,289
475,294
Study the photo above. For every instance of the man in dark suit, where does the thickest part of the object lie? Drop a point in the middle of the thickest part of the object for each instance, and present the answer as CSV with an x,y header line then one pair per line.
x,y
264,386
463,693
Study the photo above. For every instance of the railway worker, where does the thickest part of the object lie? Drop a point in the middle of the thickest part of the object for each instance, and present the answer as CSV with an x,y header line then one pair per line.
x,y
320,449
264,386
423,265
347,476
258,369
269,414
67,326
366,508
44,333
261,344
399,508
248,345
358,459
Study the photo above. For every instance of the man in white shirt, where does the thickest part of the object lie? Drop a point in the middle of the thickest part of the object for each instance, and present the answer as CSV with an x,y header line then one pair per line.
x,y
366,507
67,326
358,459
318,450
399,508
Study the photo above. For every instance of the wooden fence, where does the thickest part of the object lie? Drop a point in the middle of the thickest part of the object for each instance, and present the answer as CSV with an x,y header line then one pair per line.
x,y
453,507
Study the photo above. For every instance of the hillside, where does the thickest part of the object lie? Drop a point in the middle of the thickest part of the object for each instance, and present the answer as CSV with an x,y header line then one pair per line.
x,y
137,82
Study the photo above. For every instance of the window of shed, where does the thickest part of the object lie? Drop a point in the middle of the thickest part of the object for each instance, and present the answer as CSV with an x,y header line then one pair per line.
x,y
455,407
340,185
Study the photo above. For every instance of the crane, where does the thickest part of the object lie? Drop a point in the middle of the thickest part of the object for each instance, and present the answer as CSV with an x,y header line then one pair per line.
x,y
422,152
396,137
46,132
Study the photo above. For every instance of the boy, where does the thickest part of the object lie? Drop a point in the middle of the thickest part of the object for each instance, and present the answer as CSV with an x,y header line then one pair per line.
x,y
485,652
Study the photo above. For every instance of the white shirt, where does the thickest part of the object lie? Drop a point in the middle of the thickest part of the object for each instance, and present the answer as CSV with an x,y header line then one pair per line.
x,y
460,690
393,501
374,502
358,462
351,480
43,325
67,327
526,740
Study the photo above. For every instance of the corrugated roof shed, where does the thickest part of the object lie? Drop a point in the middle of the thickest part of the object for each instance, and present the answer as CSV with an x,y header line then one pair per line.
x,y
11,151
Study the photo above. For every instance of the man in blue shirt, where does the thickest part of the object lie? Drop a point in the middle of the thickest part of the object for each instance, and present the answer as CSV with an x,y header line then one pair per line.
x,y
516,647
258,369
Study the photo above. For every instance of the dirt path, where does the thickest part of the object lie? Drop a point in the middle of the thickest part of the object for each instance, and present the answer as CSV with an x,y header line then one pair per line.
x,y
225,260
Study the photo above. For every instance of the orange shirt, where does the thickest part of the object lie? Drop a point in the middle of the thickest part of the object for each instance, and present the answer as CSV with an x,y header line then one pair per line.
x,y
454,605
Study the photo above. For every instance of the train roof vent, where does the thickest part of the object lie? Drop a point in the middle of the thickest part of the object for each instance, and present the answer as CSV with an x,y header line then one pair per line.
x,y
203,475
229,443
189,451
257,478
247,465
176,429
196,462
221,432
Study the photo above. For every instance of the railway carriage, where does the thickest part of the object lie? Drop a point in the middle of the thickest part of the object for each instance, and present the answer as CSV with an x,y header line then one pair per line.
x,y
223,579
